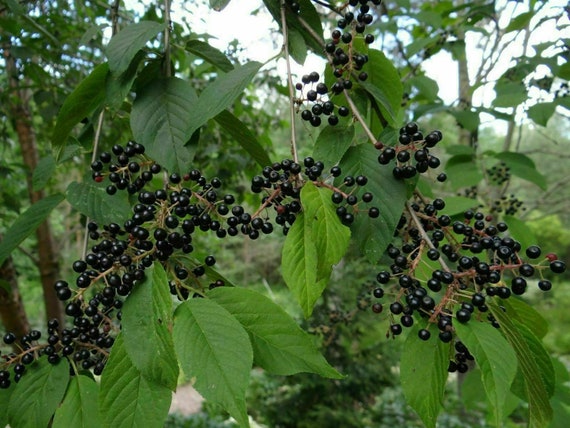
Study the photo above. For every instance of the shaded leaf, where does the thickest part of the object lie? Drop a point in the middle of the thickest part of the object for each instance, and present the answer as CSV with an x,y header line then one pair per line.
x,y
542,112
219,5
43,172
423,373
536,374
126,398
373,235
119,86
26,224
80,407
332,143
463,171
280,346
458,205
95,203
509,94
519,230
243,135
522,166
42,380
221,93
85,98
147,318
468,120
494,357
209,54
214,349
160,121
519,22
526,315
126,43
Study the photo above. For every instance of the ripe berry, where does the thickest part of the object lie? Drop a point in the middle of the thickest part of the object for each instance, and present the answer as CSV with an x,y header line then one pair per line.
x,y
544,285
557,266
463,315
377,308
424,334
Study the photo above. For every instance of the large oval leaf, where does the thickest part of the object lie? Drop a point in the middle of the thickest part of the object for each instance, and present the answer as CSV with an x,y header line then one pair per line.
x,y
95,203
80,407
214,349
280,346
147,318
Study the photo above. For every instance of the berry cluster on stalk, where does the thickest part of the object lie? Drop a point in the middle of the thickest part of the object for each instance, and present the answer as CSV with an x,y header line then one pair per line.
x,y
347,65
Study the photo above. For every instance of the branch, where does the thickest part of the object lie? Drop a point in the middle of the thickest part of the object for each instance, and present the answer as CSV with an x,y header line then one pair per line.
x,y
167,70
289,82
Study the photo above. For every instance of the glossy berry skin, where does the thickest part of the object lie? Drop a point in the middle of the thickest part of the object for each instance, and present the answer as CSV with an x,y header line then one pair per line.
x,y
424,334
557,266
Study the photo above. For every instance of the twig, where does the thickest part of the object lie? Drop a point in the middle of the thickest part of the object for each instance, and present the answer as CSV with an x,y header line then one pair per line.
x,y
289,82
167,70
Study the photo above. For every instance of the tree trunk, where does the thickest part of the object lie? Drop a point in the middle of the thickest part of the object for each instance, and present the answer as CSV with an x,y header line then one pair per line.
x,y
19,108
12,312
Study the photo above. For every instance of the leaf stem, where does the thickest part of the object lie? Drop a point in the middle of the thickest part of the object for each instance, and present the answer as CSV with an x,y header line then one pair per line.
x,y
289,82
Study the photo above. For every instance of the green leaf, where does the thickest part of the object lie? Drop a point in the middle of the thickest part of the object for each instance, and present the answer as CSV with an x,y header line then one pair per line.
x,y
209,54
214,349
297,46
542,112
85,98
331,237
221,94
126,43
425,86
80,407
279,345
522,166
495,358
161,118
519,22
95,203
423,373
384,85
243,135
5,394
332,143
119,86
299,264
510,94
458,205
462,171
373,235
468,120
147,318
534,369
219,5
126,398
37,395
43,172
525,314
26,224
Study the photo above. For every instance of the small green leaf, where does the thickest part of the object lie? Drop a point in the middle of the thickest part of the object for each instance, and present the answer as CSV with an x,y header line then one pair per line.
x,y
458,205
525,314
219,5
299,264
519,22
373,235
39,392
95,203
5,394
80,407
119,86
147,318
26,224
297,46
209,54
536,372
495,358
332,143
279,345
214,349
510,94
126,398
221,93
540,113
85,98
43,172
426,87
126,43
243,135
423,373
468,120
161,118
462,171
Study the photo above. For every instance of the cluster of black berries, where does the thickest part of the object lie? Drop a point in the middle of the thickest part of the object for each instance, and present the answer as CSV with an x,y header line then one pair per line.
x,y
126,168
347,66
478,261
499,174
412,153
282,183
509,205
460,362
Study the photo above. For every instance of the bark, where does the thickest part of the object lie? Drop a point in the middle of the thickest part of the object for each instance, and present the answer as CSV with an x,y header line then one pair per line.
x,y
466,137
19,110
12,311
